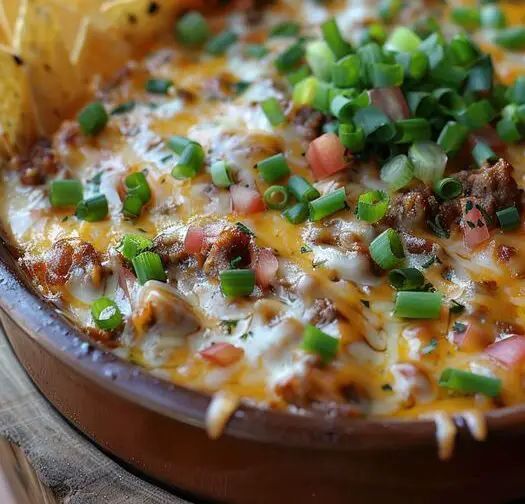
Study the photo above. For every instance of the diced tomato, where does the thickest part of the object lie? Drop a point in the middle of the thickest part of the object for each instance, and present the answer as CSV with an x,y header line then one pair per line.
x,y
474,226
222,354
326,156
391,102
266,266
246,200
194,240
509,351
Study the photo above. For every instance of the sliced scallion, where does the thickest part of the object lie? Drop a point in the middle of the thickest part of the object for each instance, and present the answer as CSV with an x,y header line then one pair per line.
x,y
328,204
296,214
220,43
93,118
148,266
93,209
372,206
508,218
397,172
334,39
429,161
65,193
276,197
190,161
106,314
192,29
319,343
418,305
273,111
387,250
469,383
237,282
133,244
220,174
448,188
273,168
406,279
302,189
158,86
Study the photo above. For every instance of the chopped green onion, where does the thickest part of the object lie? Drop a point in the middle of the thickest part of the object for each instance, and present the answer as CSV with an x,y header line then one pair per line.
x,y
106,314
93,118
159,86
272,110
388,9
482,153
256,51
320,58
448,99
133,244
418,305
415,64
374,32
290,58
477,114
285,29
319,343
124,107
273,168
178,143
370,119
132,206
220,43
386,249
148,266
406,279
65,193
511,38
481,76
297,213
137,185
467,17
346,72
402,39
421,103
220,174
190,161
302,189
334,39
397,172
509,218
296,76
517,91
469,383
492,17
508,130
386,75
452,137
276,197
327,204
448,188
342,108
237,282
429,161
93,209
446,74
372,206
192,29
462,50
412,130
352,138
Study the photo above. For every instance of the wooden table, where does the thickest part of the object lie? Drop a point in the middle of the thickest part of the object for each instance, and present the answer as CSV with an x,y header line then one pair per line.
x,y
67,467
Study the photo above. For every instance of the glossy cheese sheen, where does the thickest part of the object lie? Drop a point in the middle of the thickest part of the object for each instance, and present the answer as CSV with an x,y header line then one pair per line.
x,y
380,356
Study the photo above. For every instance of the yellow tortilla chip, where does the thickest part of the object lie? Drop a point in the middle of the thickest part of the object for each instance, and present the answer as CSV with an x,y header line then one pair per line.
x,y
8,15
53,79
16,111
90,43
138,21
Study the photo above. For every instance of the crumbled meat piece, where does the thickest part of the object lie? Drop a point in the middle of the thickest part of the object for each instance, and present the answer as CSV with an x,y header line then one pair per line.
x,y
412,208
170,248
322,389
493,186
309,123
418,245
321,312
67,257
505,253
232,243
37,164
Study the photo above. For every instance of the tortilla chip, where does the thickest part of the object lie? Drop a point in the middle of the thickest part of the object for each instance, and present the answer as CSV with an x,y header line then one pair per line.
x,y
16,111
8,16
138,21
53,79
90,43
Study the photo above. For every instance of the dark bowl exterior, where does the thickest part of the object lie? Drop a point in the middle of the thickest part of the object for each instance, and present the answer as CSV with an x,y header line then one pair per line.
x,y
263,456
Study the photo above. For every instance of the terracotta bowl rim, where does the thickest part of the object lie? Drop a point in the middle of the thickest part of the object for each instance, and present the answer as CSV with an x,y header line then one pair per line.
x,y
43,322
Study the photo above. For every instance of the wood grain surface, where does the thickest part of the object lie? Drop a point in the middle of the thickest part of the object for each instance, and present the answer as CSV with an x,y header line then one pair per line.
x,y
43,460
